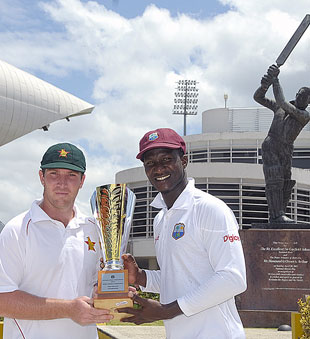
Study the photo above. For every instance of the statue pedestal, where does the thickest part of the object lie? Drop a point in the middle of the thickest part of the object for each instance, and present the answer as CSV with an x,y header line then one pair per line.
x,y
279,226
278,273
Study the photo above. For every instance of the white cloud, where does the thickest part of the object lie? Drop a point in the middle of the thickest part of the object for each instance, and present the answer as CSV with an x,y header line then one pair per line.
x,y
137,62
260,8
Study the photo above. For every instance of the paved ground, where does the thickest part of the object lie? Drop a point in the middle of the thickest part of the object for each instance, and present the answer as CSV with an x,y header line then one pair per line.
x,y
158,332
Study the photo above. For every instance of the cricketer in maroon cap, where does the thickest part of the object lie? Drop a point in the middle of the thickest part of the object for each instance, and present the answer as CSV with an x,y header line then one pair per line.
x,y
163,154
161,138
200,271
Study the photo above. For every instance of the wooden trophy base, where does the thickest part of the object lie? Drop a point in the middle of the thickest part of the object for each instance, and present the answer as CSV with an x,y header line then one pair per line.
x,y
113,304
112,300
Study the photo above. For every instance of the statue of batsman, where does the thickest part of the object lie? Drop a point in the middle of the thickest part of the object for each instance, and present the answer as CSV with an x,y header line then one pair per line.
x,y
277,149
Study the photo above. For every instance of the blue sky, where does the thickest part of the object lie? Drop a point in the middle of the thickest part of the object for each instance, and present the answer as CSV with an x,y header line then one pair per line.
x,y
29,16
199,9
125,57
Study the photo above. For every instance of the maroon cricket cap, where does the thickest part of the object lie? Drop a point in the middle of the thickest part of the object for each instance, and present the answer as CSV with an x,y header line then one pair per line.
x,y
161,138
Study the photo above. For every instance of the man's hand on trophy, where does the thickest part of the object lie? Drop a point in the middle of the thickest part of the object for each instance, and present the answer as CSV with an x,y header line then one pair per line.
x,y
149,311
95,291
132,291
136,275
82,311
101,263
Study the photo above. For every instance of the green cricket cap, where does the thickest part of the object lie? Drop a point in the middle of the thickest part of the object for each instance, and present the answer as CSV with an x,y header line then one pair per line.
x,y
64,155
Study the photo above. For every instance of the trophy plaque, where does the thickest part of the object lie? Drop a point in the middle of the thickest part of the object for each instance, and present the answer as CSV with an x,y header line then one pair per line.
x,y
112,206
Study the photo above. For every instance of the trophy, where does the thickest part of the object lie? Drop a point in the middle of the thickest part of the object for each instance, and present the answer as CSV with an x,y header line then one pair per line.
x,y
112,206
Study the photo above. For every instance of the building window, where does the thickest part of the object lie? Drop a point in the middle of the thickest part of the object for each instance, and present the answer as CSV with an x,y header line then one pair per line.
x,y
250,155
220,155
244,155
199,156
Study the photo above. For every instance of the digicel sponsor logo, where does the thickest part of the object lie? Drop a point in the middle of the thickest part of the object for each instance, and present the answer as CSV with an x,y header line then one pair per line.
x,y
231,238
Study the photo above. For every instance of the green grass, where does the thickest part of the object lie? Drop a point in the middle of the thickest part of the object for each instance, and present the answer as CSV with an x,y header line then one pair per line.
x,y
147,295
119,323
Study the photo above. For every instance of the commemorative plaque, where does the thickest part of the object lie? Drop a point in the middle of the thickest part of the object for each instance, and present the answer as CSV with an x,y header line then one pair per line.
x,y
278,274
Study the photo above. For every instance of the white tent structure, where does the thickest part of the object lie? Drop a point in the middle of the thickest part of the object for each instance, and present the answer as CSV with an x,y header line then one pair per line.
x,y
1,226
28,103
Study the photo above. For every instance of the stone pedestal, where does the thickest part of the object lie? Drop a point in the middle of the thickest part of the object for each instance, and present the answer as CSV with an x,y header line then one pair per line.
x,y
278,274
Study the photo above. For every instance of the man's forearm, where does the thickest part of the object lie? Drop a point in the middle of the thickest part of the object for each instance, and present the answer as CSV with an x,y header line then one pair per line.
x,y
22,305
171,310
141,278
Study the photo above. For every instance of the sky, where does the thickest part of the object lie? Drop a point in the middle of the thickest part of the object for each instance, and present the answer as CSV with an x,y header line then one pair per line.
x,y
125,58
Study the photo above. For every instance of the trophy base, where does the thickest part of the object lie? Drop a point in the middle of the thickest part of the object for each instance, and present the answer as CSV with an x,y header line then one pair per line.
x,y
113,292
114,303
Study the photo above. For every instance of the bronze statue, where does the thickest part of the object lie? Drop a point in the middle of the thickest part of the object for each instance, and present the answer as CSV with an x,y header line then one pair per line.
x,y
277,148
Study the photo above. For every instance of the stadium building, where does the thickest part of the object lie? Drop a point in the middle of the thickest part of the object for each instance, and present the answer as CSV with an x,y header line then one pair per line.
x,y
226,161
28,103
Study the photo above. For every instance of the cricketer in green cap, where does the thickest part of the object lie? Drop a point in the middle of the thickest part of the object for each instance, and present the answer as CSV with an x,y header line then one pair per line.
x,y
57,265
64,155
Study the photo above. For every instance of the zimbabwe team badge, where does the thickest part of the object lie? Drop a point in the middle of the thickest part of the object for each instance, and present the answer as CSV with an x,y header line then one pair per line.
x,y
178,231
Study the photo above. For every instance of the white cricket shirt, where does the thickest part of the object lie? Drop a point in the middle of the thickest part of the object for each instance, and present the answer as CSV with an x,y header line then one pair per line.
x,y
40,256
201,266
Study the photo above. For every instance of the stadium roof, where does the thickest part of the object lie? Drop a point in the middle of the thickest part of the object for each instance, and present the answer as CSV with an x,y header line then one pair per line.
x,y
28,103
1,225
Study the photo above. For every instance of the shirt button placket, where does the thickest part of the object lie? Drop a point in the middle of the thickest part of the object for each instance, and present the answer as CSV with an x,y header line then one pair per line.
x,y
167,225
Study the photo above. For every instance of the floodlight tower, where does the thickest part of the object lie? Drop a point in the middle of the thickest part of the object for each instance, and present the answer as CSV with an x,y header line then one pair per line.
x,y
225,99
185,101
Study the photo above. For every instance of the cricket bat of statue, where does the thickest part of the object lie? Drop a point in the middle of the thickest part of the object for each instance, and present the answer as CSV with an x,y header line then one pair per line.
x,y
293,41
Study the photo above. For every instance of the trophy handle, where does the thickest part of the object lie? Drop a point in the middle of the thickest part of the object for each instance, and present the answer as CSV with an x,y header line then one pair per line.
x,y
94,208
131,201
